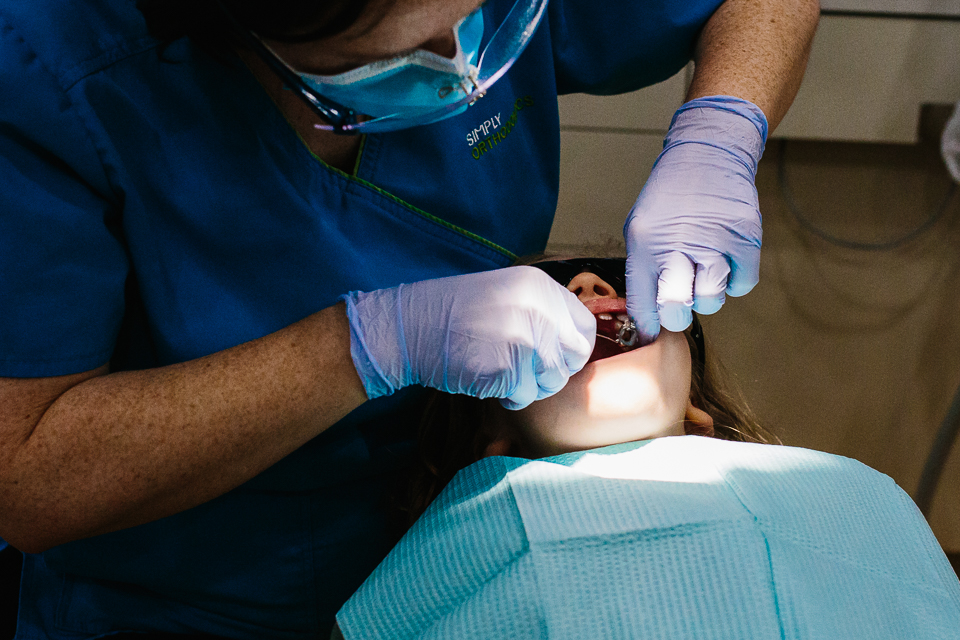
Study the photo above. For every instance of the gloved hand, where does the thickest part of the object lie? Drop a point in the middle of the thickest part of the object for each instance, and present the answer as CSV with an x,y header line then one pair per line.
x,y
694,233
512,333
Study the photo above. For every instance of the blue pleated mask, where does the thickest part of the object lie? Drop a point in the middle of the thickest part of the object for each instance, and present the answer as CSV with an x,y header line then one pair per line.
x,y
418,81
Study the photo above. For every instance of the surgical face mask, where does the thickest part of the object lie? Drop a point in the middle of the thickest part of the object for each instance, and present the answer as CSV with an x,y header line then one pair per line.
x,y
413,89
419,82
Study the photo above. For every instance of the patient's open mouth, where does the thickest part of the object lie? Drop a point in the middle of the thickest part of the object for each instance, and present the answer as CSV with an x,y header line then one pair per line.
x,y
616,333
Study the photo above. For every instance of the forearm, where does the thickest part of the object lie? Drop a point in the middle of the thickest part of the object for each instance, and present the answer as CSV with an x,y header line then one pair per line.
x,y
127,448
756,50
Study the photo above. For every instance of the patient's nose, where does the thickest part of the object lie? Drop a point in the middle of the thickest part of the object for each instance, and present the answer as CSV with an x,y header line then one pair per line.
x,y
589,286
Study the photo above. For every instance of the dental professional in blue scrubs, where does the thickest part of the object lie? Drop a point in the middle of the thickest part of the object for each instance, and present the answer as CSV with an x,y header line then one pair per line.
x,y
237,238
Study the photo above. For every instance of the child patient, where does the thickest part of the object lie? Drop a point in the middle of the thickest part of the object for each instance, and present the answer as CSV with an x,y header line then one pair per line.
x,y
625,393
681,537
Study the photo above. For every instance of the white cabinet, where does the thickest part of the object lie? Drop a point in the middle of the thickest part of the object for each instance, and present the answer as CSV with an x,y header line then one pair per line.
x,y
868,77
642,111
608,145
866,81
902,7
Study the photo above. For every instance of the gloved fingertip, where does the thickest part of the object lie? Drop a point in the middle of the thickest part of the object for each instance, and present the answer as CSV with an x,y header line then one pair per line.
x,y
577,359
648,333
707,305
524,393
546,392
648,324
577,345
509,404
740,288
549,382
742,281
675,316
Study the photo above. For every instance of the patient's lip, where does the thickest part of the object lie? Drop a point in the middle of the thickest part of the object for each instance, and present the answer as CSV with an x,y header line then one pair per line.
x,y
606,305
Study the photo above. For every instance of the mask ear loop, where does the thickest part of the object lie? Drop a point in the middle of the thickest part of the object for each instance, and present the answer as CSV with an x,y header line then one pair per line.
x,y
472,77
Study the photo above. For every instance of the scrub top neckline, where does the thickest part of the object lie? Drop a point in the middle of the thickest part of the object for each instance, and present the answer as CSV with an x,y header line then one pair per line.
x,y
368,142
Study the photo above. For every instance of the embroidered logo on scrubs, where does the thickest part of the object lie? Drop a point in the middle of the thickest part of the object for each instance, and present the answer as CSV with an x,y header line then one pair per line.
x,y
491,132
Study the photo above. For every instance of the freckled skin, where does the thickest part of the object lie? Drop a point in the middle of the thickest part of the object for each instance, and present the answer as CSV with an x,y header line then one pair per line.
x,y
99,451
756,50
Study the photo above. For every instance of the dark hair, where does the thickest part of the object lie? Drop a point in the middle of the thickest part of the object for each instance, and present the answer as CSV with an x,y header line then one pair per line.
x,y
456,429
204,21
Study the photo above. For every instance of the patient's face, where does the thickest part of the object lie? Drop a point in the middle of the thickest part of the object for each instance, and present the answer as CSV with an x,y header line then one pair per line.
x,y
637,395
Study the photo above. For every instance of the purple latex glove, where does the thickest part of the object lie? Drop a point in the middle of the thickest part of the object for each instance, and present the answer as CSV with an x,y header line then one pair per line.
x,y
513,334
694,234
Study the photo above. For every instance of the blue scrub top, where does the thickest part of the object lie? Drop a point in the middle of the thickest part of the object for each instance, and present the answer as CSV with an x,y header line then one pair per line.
x,y
157,207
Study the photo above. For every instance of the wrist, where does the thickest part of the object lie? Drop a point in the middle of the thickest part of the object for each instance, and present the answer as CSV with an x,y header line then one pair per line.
x,y
374,337
732,124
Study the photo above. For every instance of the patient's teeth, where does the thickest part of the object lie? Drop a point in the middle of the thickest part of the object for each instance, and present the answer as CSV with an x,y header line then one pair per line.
x,y
622,317
604,316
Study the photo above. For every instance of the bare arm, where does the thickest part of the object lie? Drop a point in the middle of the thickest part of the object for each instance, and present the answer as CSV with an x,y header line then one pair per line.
x,y
90,453
756,50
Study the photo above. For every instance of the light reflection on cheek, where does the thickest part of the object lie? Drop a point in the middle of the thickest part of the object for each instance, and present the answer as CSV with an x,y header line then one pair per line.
x,y
623,391
634,396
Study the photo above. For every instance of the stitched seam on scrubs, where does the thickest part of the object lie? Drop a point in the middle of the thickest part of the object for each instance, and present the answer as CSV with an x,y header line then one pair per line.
x,y
6,26
93,66
436,220
90,66
356,165
429,216
440,221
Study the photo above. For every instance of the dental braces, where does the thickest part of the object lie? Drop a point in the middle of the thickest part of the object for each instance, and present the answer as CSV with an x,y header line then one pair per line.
x,y
628,335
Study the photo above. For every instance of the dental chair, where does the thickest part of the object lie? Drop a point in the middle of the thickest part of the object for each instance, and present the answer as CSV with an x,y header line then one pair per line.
x,y
937,459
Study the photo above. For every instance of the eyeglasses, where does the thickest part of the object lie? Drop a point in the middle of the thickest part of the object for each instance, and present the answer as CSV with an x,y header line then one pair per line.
x,y
501,51
613,272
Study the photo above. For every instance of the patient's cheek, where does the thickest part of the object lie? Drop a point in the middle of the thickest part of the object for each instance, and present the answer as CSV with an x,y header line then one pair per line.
x,y
623,392
635,396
